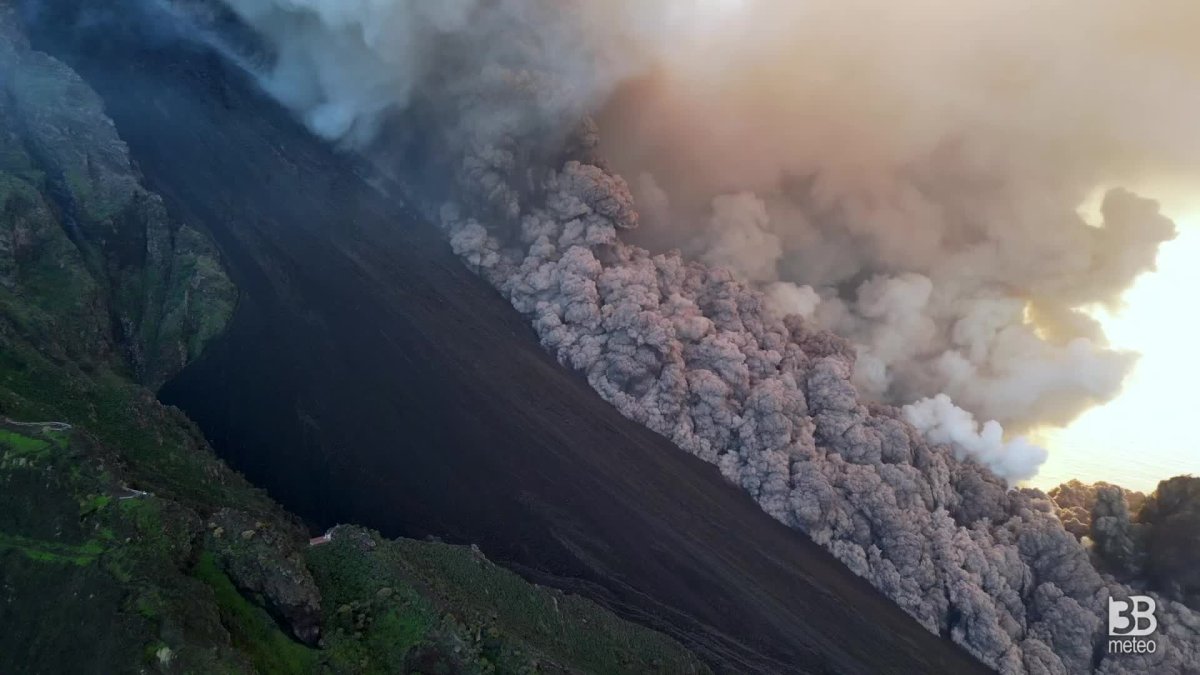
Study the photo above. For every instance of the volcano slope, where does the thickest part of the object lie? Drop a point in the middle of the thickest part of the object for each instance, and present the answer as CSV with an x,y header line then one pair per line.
x,y
367,376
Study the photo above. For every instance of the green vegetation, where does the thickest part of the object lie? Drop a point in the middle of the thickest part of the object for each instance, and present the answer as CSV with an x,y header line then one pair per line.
x,y
270,650
52,552
395,606
567,628
20,446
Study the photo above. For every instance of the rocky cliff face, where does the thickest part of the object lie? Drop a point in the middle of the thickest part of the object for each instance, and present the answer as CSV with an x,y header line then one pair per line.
x,y
91,266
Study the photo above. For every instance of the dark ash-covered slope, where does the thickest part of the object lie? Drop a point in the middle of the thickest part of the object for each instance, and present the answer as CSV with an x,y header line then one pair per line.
x,y
369,377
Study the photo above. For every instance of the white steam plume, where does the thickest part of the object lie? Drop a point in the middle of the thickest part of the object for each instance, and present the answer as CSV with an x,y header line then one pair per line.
x,y
906,175
943,422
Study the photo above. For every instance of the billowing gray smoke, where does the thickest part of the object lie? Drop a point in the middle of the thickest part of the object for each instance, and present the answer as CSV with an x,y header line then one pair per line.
x,y
917,166
1146,540
694,349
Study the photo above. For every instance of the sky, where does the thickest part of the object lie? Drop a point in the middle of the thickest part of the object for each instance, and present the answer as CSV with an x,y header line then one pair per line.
x,y
1148,432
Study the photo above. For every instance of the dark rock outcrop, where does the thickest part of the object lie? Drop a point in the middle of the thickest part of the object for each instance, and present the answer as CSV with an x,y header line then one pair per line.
x,y
264,560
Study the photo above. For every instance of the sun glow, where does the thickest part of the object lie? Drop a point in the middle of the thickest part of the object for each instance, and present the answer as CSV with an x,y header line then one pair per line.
x,y
700,19
1147,433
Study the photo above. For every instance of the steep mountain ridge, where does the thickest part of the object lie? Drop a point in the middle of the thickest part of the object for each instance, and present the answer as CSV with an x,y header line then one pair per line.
x,y
126,546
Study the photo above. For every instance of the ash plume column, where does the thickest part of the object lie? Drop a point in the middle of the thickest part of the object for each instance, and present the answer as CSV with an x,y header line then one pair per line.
x,y
925,209
919,168
906,177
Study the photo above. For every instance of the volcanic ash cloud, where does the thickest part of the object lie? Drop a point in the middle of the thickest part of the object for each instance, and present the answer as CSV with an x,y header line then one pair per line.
x,y
918,167
907,177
